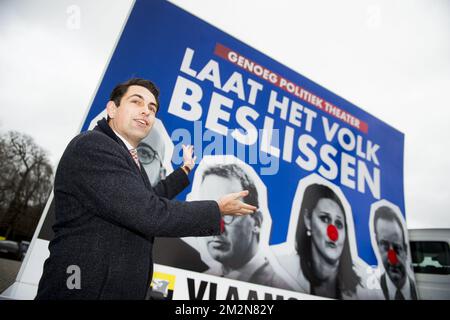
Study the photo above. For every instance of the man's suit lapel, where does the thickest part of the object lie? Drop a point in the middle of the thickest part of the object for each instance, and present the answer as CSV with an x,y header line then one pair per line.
x,y
413,289
383,285
102,125
145,177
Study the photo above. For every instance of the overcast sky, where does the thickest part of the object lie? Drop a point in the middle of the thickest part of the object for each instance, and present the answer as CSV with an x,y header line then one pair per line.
x,y
390,58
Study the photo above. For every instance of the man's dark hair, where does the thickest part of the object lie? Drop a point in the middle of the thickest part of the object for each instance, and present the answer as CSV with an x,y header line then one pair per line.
x,y
348,280
119,91
229,171
387,214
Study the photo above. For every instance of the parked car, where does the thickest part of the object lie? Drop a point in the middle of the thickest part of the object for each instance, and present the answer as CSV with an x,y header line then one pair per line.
x,y
13,250
430,250
23,248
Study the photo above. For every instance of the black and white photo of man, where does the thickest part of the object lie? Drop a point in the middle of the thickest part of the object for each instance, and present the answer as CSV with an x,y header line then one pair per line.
x,y
392,244
151,152
236,253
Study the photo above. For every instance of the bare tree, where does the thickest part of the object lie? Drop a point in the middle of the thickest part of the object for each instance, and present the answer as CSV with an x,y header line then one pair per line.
x,y
25,179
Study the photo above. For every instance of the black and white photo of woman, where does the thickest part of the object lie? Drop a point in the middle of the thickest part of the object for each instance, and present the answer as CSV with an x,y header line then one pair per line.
x,y
322,244
321,263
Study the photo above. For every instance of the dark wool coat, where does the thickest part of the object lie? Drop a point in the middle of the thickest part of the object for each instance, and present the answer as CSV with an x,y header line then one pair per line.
x,y
107,215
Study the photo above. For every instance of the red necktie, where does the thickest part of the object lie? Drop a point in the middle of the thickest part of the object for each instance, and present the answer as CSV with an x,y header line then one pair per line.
x,y
134,154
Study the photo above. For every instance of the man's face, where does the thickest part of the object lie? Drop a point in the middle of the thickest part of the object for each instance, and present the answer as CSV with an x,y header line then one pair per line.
x,y
135,115
390,237
234,243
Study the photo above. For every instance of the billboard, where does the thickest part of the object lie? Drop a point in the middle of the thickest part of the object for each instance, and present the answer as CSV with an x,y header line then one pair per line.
x,y
326,176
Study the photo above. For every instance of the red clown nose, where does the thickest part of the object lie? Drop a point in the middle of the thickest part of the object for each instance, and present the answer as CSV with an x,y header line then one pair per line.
x,y
392,257
332,232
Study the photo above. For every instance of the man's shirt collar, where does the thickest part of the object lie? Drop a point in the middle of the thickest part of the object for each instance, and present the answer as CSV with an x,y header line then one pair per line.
x,y
127,144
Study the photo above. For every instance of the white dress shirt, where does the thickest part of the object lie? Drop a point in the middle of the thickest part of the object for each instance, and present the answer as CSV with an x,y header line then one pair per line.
x,y
127,144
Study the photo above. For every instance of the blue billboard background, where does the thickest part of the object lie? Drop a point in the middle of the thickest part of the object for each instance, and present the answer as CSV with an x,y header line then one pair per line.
x,y
152,46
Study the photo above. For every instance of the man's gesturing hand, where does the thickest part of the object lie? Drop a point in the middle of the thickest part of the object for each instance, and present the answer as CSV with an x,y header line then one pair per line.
x,y
188,160
231,205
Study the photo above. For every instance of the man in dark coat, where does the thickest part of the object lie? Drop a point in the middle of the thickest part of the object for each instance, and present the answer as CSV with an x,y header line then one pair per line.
x,y
107,214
